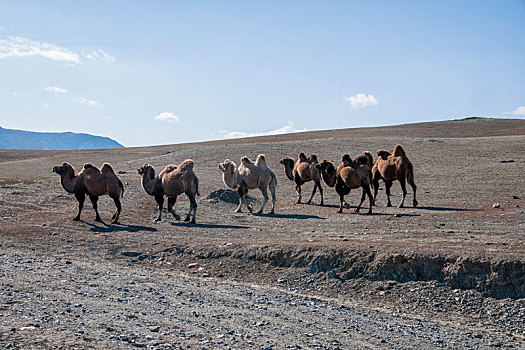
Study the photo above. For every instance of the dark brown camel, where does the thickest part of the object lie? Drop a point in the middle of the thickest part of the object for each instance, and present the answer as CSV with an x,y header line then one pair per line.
x,y
303,171
171,182
392,167
348,175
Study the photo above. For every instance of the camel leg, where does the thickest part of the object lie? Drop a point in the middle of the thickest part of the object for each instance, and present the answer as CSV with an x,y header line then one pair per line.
x,y
388,186
370,199
410,180
171,205
321,192
375,185
94,200
193,207
264,192
402,182
298,190
242,191
160,201
115,216
81,197
272,186
363,195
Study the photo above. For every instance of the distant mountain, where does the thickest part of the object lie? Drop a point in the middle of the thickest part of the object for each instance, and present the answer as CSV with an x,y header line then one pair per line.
x,y
21,139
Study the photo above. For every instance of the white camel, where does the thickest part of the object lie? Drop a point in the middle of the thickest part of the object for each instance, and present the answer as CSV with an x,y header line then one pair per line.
x,y
248,176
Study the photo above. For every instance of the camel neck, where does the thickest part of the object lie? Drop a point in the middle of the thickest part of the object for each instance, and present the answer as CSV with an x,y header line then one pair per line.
x,y
288,171
147,182
231,179
68,182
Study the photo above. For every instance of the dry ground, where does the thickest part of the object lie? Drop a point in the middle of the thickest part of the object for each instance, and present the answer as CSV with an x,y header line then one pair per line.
x,y
455,261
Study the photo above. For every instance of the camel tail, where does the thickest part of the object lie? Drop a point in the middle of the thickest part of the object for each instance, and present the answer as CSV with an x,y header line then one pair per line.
x,y
410,173
197,186
274,179
121,185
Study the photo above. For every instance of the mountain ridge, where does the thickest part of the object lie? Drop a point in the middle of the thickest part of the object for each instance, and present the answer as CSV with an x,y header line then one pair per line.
x,y
33,140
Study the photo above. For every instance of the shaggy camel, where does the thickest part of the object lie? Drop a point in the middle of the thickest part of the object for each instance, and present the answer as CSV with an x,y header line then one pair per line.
x,y
172,181
303,171
248,176
391,167
348,175
94,183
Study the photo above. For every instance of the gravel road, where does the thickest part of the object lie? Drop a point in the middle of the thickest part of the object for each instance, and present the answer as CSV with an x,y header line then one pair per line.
x,y
49,302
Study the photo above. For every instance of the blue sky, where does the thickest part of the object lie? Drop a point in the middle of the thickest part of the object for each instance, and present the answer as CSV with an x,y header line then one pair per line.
x,y
162,72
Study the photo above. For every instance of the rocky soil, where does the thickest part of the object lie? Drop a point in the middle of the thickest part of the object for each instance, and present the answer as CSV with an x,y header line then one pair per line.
x,y
448,274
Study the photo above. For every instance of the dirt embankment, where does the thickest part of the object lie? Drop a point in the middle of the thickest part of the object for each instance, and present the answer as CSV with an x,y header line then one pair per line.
x,y
497,279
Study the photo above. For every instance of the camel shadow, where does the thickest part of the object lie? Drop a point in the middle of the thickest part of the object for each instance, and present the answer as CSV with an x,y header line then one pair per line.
x,y
444,209
119,228
290,216
189,224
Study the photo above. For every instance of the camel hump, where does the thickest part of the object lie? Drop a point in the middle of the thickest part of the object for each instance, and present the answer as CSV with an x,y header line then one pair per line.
x,y
90,167
369,156
346,159
398,151
261,159
167,169
362,159
107,168
313,158
245,160
302,157
383,153
186,165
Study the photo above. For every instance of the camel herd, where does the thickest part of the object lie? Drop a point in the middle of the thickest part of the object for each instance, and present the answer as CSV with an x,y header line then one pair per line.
x,y
175,180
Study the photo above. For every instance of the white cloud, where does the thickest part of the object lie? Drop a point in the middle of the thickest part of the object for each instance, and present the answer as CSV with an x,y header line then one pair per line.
x,y
99,54
23,47
518,111
85,101
287,129
167,117
362,101
46,105
55,89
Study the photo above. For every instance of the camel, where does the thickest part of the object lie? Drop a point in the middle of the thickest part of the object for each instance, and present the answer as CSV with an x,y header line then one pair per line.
x,y
94,183
247,176
391,167
348,175
171,182
303,171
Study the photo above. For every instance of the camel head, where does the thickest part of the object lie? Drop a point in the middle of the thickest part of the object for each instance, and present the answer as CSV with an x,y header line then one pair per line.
x,y
328,172
288,163
227,166
229,174
146,169
63,169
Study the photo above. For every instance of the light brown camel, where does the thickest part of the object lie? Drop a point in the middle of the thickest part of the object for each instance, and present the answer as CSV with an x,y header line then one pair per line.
x,y
348,175
391,167
171,182
248,176
303,171
94,183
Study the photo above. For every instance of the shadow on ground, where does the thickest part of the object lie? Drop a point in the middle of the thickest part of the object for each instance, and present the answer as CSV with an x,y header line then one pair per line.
x,y
189,224
105,228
